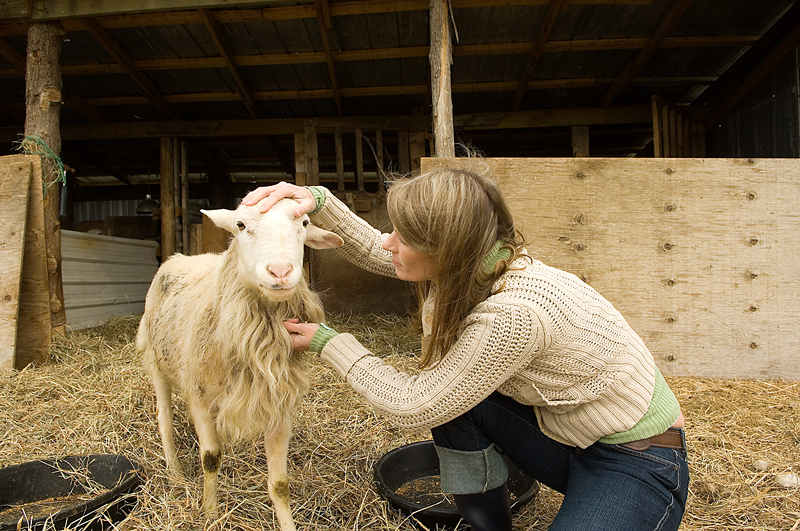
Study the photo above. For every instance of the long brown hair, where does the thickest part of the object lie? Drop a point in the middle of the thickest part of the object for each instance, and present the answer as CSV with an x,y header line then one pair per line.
x,y
457,217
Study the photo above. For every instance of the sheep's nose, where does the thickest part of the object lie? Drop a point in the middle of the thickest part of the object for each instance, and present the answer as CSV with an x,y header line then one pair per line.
x,y
280,271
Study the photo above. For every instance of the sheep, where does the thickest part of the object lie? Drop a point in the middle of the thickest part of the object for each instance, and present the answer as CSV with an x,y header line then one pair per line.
x,y
212,330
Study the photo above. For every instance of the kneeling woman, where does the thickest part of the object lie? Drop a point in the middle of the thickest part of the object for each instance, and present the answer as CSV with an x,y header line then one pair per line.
x,y
518,358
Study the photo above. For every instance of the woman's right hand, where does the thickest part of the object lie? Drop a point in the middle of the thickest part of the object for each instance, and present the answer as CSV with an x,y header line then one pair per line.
x,y
274,193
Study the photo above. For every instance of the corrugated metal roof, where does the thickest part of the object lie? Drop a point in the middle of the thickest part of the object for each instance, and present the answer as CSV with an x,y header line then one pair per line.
x,y
376,63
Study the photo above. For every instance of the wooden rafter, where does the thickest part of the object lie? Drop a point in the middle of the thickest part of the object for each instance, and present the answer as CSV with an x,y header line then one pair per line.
x,y
554,8
80,105
153,95
633,68
324,23
398,90
66,11
764,68
242,88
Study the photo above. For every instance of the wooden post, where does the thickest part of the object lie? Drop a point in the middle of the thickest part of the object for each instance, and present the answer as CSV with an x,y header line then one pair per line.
x,y
359,161
42,119
416,148
337,141
167,197
184,199
658,133
312,156
300,159
403,154
440,57
379,157
580,140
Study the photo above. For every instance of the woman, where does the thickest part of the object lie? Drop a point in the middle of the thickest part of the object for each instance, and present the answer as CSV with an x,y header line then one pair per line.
x,y
518,358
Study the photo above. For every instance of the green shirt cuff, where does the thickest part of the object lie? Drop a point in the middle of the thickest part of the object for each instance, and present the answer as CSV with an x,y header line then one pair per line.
x,y
321,338
319,196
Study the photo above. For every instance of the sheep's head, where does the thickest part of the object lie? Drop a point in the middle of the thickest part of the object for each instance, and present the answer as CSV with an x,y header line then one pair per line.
x,y
270,244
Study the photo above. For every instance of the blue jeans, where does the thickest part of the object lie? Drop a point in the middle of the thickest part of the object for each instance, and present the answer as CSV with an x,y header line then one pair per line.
x,y
605,487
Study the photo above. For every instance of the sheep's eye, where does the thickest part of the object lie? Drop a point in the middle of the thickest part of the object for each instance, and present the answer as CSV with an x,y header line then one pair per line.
x,y
240,225
305,223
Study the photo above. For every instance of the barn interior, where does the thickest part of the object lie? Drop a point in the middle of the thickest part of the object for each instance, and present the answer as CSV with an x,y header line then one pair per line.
x,y
240,83
192,103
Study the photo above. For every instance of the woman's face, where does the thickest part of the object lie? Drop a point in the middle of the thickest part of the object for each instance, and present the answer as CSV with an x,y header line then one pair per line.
x,y
410,264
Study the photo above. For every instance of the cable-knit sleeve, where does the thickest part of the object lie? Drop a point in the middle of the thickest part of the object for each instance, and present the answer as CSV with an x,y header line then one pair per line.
x,y
362,242
495,341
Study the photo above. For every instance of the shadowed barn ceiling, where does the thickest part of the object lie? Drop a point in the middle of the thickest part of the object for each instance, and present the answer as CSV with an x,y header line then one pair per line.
x,y
237,80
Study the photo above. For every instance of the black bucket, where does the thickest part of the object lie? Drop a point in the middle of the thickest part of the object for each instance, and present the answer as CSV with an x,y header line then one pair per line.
x,y
34,485
418,463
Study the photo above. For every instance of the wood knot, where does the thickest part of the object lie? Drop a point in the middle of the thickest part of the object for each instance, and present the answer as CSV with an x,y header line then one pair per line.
x,y
49,96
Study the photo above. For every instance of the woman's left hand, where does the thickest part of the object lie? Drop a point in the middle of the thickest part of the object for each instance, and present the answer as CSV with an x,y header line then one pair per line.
x,y
301,333
276,192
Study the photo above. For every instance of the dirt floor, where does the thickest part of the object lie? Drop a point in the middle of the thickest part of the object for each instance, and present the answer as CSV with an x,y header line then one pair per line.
x,y
93,397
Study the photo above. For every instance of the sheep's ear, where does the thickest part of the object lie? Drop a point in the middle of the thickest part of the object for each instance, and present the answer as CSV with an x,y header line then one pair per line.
x,y
318,238
222,218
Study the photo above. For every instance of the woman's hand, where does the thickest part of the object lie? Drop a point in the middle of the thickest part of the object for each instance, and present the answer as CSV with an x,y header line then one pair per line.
x,y
276,192
301,333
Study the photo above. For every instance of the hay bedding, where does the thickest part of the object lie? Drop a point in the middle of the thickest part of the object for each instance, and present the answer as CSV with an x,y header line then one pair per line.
x,y
94,397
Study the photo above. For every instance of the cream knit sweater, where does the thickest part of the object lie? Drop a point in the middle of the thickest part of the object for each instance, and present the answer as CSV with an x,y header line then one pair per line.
x,y
545,338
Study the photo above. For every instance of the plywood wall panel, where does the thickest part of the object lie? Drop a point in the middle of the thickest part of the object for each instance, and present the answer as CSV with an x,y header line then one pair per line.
x,y
700,255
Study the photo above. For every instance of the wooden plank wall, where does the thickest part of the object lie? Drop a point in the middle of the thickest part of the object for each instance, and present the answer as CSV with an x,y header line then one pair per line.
x,y
25,329
702,256
105,276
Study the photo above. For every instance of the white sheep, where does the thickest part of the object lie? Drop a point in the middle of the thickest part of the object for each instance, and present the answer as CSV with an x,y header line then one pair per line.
x,y
212,330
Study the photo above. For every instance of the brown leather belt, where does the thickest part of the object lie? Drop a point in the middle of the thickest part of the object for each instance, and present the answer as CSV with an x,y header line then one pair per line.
x,y
672,438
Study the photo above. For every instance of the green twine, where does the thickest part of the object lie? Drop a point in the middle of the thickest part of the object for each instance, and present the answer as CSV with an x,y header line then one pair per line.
x,y
33,145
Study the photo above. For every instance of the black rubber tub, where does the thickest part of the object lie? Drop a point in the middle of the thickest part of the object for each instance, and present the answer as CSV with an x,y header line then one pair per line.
x,y
87,492
408,477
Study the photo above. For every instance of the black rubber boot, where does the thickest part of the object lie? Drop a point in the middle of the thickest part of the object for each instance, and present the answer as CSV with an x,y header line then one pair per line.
x,y
486,511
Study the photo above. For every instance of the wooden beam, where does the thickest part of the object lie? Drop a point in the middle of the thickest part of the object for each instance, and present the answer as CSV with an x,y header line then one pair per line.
x,y
242,88
102,36
362,92
554,8
324,24
12,56
81,106
635,114
392,53
632,69
440,59
167,197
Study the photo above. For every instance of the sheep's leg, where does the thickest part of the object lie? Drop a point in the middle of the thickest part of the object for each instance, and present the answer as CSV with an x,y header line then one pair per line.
x,y
277,448
165,423
210,455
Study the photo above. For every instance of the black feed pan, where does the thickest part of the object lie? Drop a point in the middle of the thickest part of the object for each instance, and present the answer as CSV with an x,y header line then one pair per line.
x,y
34,485
410,464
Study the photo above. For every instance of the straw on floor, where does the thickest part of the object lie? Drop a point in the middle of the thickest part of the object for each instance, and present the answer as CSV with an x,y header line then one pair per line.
x,y
93,397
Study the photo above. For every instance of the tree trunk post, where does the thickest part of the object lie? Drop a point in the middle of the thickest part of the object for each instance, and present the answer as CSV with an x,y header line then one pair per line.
x,y
43,137
440,58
